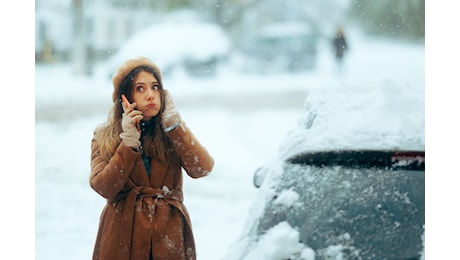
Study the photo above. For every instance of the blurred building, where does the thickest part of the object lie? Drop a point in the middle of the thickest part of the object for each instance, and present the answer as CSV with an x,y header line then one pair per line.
x,y
105,28
88,31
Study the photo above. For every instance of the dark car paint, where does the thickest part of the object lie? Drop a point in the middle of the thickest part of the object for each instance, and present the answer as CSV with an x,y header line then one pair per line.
x,y
371,202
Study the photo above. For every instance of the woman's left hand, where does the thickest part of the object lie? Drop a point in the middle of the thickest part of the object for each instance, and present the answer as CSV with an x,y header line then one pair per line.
x,y
170,118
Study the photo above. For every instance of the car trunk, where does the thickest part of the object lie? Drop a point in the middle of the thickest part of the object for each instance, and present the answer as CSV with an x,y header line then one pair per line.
x,y
369,203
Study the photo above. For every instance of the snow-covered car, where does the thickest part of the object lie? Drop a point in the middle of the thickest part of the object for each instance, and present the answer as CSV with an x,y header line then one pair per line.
x,y
193,46
287,46
348,183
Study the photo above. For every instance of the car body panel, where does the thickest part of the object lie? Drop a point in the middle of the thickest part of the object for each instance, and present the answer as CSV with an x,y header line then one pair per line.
x,y
283,47
376,211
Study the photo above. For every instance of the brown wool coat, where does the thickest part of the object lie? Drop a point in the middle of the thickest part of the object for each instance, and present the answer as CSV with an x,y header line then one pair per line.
x,y
146,215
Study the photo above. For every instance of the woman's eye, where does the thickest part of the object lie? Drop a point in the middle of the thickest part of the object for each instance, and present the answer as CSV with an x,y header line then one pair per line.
x,y
140,88
155,87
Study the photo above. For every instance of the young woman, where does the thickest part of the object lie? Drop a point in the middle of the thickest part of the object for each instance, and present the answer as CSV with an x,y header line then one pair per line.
x,y
137,158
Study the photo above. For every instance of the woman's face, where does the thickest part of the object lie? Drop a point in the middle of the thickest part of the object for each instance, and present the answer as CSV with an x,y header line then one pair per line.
x,y
146,94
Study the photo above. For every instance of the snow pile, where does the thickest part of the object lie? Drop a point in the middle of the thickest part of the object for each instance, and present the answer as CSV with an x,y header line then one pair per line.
x,y
287,198
280,242
385,116
171,43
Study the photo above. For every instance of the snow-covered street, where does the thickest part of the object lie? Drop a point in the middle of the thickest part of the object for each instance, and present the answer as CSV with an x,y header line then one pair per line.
x,y
240,136
240,118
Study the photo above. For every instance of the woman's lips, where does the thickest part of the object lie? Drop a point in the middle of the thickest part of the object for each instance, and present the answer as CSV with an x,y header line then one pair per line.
x,y
150,106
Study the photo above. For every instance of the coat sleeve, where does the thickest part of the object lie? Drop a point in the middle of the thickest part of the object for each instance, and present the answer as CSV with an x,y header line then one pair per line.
x,y
109,177
196,160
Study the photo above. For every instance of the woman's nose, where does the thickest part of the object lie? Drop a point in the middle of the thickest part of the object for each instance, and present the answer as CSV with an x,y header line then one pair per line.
x,y
150,94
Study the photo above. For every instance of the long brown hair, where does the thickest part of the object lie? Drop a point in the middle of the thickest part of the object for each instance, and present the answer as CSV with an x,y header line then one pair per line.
x,y
155,142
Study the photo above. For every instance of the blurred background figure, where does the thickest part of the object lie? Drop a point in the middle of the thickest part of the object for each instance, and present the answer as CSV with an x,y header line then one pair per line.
x,y
340,46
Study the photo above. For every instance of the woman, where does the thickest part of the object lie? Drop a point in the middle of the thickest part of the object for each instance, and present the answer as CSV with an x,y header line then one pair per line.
x,y
137,158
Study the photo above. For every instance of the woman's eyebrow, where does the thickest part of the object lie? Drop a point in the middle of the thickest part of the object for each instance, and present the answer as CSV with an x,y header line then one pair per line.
x,y
141,82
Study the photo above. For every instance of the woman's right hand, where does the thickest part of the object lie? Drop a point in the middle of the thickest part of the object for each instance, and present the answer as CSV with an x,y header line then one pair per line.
x,y
130,125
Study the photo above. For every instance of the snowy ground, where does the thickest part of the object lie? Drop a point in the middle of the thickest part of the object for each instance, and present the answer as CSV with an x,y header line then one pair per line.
x,y
241,119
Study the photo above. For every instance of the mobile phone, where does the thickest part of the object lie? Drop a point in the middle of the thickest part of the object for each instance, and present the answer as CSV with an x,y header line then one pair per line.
x,y
125,100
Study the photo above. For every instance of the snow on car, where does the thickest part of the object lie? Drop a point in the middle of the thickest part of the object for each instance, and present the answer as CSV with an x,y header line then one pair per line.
x,y
177,45
349,181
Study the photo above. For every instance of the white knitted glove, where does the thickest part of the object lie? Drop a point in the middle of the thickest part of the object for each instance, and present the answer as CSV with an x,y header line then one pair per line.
x,y
129,122
170,118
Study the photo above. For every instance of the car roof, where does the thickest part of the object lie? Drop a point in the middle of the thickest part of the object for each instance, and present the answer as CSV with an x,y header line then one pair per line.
x,y
356,116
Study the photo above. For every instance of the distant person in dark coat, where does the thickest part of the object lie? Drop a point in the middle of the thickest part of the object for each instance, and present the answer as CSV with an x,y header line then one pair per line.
x,y
340,46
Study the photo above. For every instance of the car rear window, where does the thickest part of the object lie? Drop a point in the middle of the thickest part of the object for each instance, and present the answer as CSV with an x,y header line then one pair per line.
x,y
390,160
